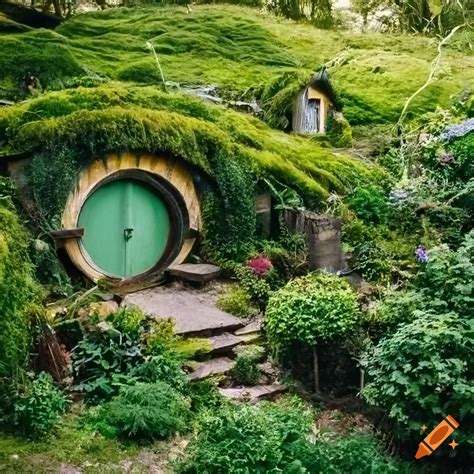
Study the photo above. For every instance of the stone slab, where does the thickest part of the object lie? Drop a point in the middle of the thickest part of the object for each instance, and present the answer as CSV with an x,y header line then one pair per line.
x,y
197,272
193,313
218,366
253,394
224,343
251,328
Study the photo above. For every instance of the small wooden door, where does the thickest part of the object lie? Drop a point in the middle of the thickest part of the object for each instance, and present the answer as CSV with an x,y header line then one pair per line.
x,y
126,228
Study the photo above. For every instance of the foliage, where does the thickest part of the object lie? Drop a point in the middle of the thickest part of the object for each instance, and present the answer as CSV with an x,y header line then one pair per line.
x,y
205,396
245,370
248,438
310,310
106,359
145,411
423,371
369,204
446,282
237,301
257,287
38,410
17,291
339,131
354,453
128,320
228,148
273,437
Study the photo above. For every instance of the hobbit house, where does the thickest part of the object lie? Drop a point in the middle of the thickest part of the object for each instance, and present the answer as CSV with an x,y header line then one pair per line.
x,y
130,216
314,104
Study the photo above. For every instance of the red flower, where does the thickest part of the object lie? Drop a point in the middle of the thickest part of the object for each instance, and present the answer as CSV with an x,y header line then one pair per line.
x,y
260,265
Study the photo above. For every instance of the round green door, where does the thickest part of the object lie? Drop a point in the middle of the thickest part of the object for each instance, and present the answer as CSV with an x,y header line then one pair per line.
x,y
126,228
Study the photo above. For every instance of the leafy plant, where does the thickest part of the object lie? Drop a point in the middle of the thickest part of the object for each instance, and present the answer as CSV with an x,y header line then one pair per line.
x,y
309,310
39,408
128,321
245,370
248,438
370,204
258,287
145,411
423,371
237,301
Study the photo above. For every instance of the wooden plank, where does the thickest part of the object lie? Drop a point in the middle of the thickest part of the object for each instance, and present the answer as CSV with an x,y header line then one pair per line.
x,y
67,233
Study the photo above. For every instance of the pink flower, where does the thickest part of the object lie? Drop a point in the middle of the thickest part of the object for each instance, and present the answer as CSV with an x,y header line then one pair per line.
x,y
260,265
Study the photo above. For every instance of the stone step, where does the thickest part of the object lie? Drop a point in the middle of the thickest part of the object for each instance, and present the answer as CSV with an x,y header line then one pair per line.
x,y
254,394
192,311
218,366
251,328
251,338
195,272
223,343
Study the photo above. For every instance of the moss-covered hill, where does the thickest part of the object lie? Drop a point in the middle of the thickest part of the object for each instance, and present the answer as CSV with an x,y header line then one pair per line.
x,y
238,49
102,93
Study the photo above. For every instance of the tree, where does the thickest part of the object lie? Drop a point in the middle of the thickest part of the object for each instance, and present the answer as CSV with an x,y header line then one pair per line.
x,y
308,311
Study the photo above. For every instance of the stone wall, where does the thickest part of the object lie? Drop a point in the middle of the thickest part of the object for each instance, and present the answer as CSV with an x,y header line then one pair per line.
x,y
323,236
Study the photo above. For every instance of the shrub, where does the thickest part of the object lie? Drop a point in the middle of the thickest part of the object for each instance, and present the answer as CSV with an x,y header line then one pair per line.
x,y
38,410
423,372
237,301
145,411
245,370
370,204
446,282
310,310
248,438
257,287
128,320
339,131
17,291
355,454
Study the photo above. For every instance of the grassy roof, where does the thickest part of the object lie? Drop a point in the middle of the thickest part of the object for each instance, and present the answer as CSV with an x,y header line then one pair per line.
x,y
241,51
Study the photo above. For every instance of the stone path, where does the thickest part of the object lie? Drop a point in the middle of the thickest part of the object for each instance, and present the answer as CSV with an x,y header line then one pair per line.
x,y
193,313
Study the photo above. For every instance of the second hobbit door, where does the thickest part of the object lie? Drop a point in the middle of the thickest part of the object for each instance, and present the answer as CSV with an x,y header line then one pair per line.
x,y
126,228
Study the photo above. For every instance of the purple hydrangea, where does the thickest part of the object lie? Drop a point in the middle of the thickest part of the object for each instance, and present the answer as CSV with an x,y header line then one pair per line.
x,y
457,130
421,254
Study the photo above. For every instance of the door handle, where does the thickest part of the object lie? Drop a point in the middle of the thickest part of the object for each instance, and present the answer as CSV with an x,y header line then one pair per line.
x,y
127,233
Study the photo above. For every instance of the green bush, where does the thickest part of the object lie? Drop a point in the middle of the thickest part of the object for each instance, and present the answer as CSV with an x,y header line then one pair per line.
x,y
237,301
370,204
423,372
17,290
274,437
257,287
446,282
308,310
245,370
355,454
145,411
38,410
248,438
339,131
128,320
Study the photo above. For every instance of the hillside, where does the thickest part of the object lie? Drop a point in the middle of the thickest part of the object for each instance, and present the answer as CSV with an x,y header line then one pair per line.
x,y
243,52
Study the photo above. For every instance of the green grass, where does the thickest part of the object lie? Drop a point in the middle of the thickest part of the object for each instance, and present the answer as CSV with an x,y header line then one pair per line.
x,y
72,444
243,51
239,48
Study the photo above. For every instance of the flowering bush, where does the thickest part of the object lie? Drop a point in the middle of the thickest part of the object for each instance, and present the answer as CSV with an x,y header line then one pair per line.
x,y
457,130
260,265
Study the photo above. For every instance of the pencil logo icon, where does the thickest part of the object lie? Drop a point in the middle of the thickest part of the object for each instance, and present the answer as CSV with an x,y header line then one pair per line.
x,y
436,438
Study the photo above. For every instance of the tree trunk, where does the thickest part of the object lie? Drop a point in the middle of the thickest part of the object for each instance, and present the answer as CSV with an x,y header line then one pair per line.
x,y
317,388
